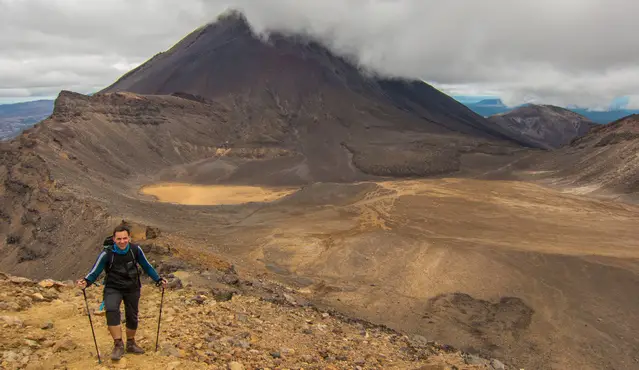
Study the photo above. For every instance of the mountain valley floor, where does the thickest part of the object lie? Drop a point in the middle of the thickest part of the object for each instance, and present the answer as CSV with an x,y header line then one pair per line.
x,y
538,277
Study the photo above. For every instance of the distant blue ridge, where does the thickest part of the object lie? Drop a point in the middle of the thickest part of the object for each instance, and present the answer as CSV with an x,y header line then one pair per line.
x,y
491,106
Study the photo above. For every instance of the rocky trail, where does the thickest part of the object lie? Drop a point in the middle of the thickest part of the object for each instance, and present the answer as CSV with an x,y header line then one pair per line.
x,y
45,326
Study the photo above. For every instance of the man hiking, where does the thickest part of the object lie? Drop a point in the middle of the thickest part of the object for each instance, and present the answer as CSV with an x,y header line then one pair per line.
x,y
122,283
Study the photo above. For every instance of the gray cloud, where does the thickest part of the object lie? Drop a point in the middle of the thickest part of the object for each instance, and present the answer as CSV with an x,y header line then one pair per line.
x,y
581,52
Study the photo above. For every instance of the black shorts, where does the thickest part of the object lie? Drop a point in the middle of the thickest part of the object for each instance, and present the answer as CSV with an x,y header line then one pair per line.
x,y
112,300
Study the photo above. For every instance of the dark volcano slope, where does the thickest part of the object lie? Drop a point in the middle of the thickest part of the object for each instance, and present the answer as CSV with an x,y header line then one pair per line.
x,y
226,60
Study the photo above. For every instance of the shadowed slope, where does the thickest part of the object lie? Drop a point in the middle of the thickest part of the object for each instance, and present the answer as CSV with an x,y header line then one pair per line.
x,y
603,162
544,126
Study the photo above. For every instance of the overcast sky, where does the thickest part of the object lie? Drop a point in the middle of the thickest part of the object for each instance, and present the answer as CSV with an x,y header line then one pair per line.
x,y
582,52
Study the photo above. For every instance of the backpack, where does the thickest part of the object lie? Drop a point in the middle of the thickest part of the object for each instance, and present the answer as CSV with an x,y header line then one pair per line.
x,y
107,246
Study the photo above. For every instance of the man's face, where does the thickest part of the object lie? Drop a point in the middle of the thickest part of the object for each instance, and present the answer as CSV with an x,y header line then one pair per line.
x,y
121,238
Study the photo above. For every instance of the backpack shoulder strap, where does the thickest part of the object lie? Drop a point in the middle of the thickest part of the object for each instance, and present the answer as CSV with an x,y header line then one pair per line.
x,y
135,251
107,244
109,252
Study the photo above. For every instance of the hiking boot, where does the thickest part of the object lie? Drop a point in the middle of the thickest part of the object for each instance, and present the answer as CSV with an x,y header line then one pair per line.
x,y
118,351
132,347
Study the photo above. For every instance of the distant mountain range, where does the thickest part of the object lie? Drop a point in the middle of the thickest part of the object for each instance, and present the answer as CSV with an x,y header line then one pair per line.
x,y
490,107
605,116
16,117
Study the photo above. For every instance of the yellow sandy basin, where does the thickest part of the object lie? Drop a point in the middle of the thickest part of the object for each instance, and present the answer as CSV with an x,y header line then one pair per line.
x,y
214,194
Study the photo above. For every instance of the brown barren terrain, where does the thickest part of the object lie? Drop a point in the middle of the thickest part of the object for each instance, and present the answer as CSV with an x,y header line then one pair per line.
x,y
499,267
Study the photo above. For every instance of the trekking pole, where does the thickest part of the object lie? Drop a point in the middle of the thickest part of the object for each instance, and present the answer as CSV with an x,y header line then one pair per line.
x,y
159,319
91,322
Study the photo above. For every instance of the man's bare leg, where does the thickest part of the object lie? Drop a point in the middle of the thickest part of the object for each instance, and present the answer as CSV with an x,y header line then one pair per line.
x,y
116,332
